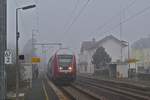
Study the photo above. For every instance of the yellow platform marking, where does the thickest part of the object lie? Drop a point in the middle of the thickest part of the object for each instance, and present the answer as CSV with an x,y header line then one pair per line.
x,y
46,95
59,93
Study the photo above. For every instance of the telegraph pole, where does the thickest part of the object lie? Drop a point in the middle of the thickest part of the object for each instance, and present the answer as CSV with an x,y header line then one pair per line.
x,y
121,31
3,45
121,36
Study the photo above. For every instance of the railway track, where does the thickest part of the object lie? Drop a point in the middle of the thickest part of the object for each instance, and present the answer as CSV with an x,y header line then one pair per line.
x,y
78,93
115,90
72,92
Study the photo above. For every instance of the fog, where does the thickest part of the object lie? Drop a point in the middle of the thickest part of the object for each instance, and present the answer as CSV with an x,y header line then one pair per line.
x,y
52,18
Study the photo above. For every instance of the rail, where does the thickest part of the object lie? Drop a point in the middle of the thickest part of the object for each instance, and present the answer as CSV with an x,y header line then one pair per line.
x,y
114,88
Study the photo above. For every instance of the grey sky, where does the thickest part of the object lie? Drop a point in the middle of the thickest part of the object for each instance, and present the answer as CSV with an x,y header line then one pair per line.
x,y
53,16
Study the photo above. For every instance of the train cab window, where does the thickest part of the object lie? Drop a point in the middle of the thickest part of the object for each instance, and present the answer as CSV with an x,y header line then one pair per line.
x,y
65,60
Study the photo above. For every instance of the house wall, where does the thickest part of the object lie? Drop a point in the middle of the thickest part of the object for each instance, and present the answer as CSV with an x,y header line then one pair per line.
x,y
122,70
86,69
143,55
113,48
86,57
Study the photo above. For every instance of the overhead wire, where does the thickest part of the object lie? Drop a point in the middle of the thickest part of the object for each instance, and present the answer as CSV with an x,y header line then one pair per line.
x,y
129,18
76,17
137,14
73,11
112,18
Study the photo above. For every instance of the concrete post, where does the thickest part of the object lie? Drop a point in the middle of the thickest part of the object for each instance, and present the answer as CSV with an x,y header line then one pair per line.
x,y
3,46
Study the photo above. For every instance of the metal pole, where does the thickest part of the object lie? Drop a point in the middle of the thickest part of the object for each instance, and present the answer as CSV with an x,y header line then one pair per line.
x,y
128,60
129,49
17,38
17,65
31,62
129,56
121,34
121,29
32,56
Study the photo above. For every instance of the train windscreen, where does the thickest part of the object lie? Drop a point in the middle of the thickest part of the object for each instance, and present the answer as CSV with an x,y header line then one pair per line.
x,y
65,61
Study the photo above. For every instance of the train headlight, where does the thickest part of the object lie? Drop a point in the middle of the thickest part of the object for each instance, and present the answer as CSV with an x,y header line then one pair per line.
x,y
60,68
70,68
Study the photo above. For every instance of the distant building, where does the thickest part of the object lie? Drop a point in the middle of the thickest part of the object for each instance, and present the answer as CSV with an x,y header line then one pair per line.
x,y
113,46
141,52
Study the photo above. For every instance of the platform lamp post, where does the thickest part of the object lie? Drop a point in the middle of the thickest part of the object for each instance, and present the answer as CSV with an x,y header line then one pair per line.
x,y
17,38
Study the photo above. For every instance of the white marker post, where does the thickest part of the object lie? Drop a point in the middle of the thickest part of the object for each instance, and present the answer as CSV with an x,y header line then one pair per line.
x,y
8,57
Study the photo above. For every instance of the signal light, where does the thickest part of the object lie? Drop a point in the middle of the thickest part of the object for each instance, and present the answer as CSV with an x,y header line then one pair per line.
x,y
21,57
60,68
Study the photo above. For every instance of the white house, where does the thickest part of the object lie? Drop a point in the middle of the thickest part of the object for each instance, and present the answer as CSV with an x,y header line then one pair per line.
x,y
114,47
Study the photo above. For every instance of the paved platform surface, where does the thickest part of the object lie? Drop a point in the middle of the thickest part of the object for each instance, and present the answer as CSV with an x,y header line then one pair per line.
x,y
40,91
36,92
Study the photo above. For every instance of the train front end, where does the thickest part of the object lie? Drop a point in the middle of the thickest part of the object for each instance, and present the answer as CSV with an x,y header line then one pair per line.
x,y
65,68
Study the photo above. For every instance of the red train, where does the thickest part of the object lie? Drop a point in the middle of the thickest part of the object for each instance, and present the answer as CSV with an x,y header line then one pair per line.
x,y
62,66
